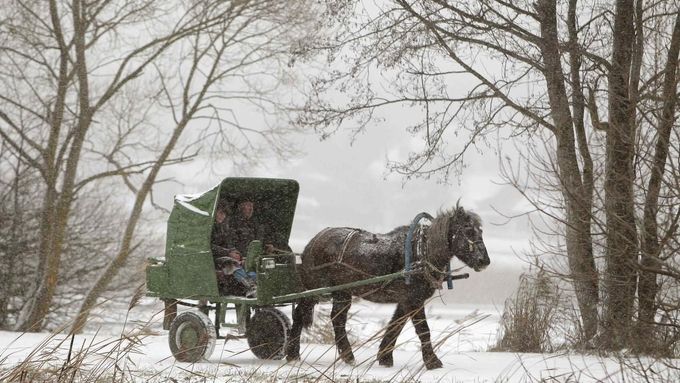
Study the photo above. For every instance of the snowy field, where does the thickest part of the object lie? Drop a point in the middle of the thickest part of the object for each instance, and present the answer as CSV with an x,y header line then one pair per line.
x,y
462,334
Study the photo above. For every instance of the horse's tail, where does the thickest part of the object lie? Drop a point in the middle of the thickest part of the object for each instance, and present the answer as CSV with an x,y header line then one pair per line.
x,y
306,311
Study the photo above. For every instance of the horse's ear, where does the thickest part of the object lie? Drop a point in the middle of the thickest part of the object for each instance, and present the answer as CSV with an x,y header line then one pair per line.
x,y
459,209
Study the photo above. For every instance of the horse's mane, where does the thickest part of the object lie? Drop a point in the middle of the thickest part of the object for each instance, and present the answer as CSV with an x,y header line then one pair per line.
x,y
475,217
438,233
398,229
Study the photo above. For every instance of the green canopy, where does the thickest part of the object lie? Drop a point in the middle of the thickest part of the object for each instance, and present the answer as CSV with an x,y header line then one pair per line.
x,y
191,220
187,249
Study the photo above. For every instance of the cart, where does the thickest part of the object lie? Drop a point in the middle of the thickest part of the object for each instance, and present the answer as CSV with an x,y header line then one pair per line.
x,y
186,276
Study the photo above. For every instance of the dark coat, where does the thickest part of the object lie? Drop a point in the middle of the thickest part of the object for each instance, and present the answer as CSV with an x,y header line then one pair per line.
x,y
219,240
241,231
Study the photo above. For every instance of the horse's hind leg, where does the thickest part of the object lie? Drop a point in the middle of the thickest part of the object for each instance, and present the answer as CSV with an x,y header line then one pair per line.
x,y
341,304
394,328
303,315
423,331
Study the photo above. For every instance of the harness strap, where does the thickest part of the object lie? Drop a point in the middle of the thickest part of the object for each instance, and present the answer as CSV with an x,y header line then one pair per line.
x,y
449,280
345,243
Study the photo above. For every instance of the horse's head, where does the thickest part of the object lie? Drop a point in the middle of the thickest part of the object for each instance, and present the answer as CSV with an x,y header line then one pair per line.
x,y
465,239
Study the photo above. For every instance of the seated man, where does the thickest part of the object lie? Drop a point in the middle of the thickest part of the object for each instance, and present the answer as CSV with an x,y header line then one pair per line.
x,y
244,228
228,260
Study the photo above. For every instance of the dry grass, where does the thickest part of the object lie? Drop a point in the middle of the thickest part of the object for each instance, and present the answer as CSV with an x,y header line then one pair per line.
x,y
321,331
529,316
59,358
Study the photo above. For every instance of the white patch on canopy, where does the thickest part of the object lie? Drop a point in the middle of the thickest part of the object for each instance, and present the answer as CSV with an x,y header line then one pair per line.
x,y
188,197
191,207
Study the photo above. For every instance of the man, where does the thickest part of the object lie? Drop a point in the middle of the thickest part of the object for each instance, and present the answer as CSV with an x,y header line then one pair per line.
x,y
228,260
242,228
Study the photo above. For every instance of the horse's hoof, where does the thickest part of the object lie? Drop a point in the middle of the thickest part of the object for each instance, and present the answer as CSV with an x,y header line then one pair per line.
x,y
433,363
386,362
292,358
348,357
350,361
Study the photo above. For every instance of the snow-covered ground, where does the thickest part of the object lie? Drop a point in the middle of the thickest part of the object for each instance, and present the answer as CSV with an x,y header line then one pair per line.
x,y
462,334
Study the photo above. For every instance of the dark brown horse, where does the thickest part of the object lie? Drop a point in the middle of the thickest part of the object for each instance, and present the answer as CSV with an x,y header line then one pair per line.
x,y
340,255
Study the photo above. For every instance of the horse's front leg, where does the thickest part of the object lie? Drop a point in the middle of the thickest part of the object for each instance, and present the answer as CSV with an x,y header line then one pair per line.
x,y
423,331
394,328
341,304
293,345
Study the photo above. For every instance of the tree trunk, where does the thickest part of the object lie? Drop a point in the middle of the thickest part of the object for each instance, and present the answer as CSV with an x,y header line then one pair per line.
x,y
647,285
49,249
577,193
14,246
58,204
621,254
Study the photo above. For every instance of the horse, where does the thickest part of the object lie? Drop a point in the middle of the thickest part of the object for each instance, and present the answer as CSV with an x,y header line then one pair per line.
x,y
336,256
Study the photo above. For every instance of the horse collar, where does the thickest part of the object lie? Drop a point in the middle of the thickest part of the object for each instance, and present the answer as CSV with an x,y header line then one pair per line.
x,y
420,244
408,245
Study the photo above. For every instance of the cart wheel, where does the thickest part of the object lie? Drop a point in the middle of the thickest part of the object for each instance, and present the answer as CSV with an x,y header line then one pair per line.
x,y
192,337
267,332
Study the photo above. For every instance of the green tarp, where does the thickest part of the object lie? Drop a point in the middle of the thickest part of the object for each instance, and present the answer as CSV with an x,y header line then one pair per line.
x,y
189,265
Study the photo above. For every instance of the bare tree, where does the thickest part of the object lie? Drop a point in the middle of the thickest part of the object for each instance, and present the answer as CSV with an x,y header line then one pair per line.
x,y
251,37
579,72
435,42
91,234
651,248
69,66
18,223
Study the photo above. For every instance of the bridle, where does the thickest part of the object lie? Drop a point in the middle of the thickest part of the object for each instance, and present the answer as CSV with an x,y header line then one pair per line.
x,y
472,245
416,243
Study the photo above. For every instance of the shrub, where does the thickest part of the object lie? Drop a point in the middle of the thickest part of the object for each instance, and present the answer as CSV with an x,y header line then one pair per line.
x,y
529,315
